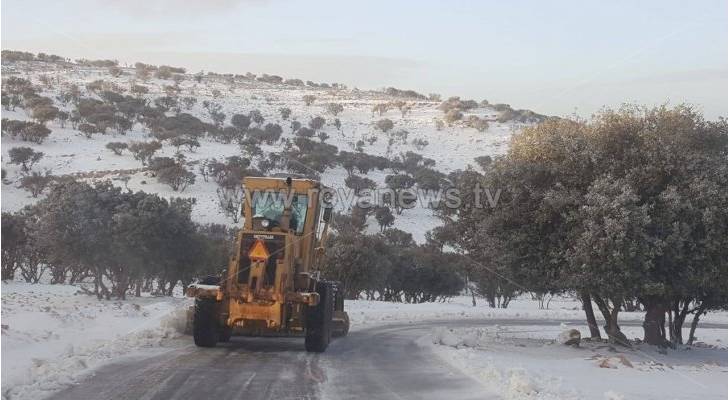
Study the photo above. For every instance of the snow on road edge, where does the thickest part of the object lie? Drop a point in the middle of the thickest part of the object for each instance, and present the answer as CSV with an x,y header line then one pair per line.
x,y
52,338
525,362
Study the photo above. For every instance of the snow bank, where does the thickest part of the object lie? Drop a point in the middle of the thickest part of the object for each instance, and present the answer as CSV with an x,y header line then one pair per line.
x,y
52,335
522,362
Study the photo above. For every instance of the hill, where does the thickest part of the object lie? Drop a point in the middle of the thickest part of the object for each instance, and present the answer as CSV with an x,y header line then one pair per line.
x,y
448,135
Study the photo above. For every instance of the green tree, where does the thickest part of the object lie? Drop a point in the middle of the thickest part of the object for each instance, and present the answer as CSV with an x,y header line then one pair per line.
x,y
384,217
616,208
26,157
144,151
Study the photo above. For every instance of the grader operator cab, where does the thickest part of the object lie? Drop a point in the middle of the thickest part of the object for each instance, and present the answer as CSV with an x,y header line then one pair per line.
x,y
272,286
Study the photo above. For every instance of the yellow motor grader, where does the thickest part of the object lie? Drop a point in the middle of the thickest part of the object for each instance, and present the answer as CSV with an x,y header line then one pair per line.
x,y
272,286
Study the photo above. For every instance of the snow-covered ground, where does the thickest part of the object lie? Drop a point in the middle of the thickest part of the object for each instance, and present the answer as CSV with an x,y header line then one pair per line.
x,y
53,335
526,362
515,352
519,357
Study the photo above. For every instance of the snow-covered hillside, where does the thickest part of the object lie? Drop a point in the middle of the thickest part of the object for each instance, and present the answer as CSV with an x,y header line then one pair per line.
x,y
68,152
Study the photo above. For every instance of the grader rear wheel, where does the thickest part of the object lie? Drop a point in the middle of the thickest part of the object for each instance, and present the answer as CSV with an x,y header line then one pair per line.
x,y
204,325
318,320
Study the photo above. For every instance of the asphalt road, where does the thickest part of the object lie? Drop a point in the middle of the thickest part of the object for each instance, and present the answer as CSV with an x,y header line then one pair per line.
x,y
375,363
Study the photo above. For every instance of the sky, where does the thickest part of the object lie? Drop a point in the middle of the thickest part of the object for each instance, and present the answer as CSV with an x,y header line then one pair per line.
x,y
554,57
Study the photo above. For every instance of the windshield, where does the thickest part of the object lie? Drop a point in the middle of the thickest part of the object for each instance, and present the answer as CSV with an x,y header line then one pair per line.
x,y
270,205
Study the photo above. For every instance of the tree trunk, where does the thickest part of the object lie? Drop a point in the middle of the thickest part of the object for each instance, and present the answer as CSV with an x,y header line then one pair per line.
x,y
103,290
678,319
99,287
694,324
591,319
170,290
122,285
491,301
161,284
58,275
8,268
75,273
613,330
611,317
654,323
630,305
96,287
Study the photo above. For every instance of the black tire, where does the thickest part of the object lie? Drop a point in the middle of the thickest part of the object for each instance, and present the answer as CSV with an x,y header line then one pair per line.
x,y
204,324
318,320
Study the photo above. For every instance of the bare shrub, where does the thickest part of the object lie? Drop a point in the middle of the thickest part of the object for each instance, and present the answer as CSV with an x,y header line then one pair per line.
x,y
380,108
385,125
36,183
316,123
478,123
453,116
309,99
285,112
334,108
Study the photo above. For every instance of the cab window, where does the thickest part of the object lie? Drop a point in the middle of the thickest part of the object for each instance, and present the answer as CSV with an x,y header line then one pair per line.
x,y
270,205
